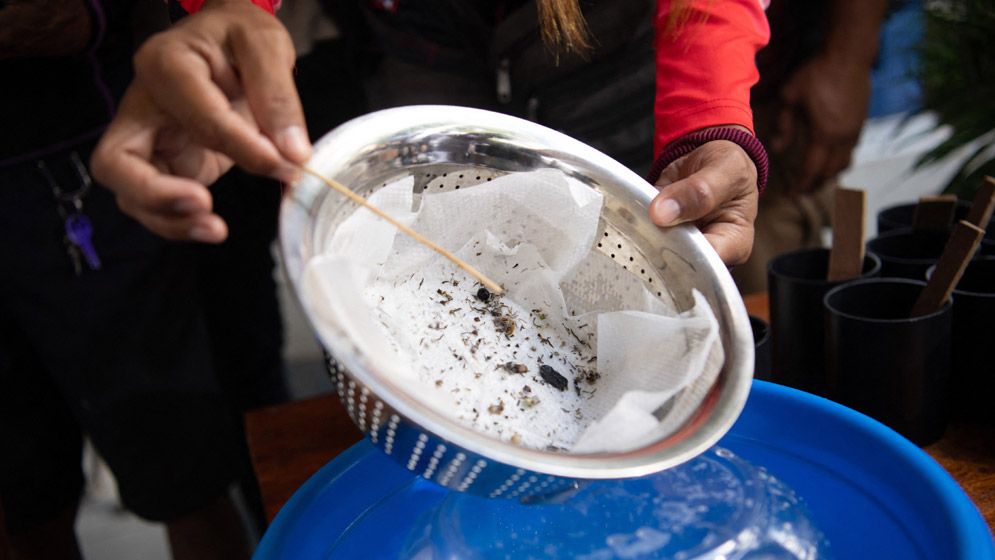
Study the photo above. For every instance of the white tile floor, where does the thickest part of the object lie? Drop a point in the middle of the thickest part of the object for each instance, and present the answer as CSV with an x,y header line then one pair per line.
x,y
106,531
882,165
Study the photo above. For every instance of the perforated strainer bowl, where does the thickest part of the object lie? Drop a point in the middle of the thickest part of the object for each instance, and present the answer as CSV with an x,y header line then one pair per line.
x,y
451,148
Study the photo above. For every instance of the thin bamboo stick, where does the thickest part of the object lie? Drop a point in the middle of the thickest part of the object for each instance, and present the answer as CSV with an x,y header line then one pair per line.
x,y
491,285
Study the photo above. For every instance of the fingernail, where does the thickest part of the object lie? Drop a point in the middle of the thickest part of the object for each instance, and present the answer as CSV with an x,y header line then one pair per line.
x,y
186,206
202,234
288,175
666,211
208,231
294,144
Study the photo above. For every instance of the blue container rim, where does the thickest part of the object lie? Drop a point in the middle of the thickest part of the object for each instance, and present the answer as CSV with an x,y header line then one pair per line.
x,y
970,528
971,533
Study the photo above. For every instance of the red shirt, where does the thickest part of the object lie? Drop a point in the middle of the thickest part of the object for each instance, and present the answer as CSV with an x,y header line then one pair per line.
x,y
705,66
192,6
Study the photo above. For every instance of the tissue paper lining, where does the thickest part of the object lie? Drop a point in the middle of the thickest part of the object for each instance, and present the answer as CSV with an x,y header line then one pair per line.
x,y
577,355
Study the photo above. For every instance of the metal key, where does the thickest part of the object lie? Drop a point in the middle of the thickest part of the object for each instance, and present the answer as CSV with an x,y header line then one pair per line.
x,y
79,230
74,255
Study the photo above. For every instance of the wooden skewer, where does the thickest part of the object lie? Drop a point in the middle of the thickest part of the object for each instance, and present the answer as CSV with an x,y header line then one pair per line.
x,y
491,285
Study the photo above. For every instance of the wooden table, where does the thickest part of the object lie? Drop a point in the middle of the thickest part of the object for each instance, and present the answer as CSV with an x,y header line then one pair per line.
x,y
290,442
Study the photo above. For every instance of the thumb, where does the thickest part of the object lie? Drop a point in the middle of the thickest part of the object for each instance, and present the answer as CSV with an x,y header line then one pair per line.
x,y
685,200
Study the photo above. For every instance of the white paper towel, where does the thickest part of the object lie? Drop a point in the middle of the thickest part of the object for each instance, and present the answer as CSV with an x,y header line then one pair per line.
x,y
613,352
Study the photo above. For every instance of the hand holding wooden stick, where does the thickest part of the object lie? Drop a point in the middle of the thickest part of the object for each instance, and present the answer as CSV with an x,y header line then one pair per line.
x,y
491,285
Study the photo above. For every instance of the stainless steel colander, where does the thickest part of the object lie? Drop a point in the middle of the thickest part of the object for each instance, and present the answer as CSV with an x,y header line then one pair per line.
x,y
447,148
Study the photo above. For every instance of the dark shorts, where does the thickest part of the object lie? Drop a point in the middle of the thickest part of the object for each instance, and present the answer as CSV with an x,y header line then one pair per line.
x,y
119,355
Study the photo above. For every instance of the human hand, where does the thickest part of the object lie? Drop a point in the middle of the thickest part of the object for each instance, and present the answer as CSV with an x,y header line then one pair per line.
x,y
828,97
715,186
214,90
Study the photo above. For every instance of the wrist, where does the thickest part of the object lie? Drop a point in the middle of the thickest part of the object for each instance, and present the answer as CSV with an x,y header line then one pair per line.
x,y
194,6
844,61
739,135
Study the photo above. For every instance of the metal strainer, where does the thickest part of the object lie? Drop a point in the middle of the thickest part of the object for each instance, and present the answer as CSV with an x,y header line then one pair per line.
x,y
448,148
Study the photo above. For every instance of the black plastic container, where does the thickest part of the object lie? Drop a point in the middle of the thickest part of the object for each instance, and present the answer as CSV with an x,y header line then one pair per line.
x,y
972,379
907,254
885,364
896,217
761,347
901,216
797,284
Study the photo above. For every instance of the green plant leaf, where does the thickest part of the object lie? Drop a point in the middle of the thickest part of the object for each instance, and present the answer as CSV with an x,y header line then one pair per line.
x,y
958,77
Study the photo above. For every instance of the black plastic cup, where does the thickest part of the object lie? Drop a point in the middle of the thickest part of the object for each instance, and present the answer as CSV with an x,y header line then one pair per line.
x,y
901,216
885,364
987,246
797,284
896,217
972,379
761,347
905,253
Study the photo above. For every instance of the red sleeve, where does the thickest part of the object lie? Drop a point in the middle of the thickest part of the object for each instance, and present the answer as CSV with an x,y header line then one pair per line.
x,y
706,66
193,6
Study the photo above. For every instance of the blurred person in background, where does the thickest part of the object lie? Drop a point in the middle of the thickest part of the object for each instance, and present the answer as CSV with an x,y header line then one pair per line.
x,y
810,106
189,115
102,328
105,329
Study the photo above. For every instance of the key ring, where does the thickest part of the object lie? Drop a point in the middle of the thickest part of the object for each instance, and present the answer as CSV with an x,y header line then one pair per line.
x,y
75,198
78,229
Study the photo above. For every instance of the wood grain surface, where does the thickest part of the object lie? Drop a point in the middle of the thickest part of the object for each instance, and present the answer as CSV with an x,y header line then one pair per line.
x,y
289,442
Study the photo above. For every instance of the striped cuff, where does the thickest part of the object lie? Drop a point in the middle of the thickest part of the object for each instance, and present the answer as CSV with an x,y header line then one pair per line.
x,y
194,6
689,142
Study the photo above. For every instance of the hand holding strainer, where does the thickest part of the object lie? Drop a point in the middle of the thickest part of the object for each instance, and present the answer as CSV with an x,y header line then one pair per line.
x,y
447,148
